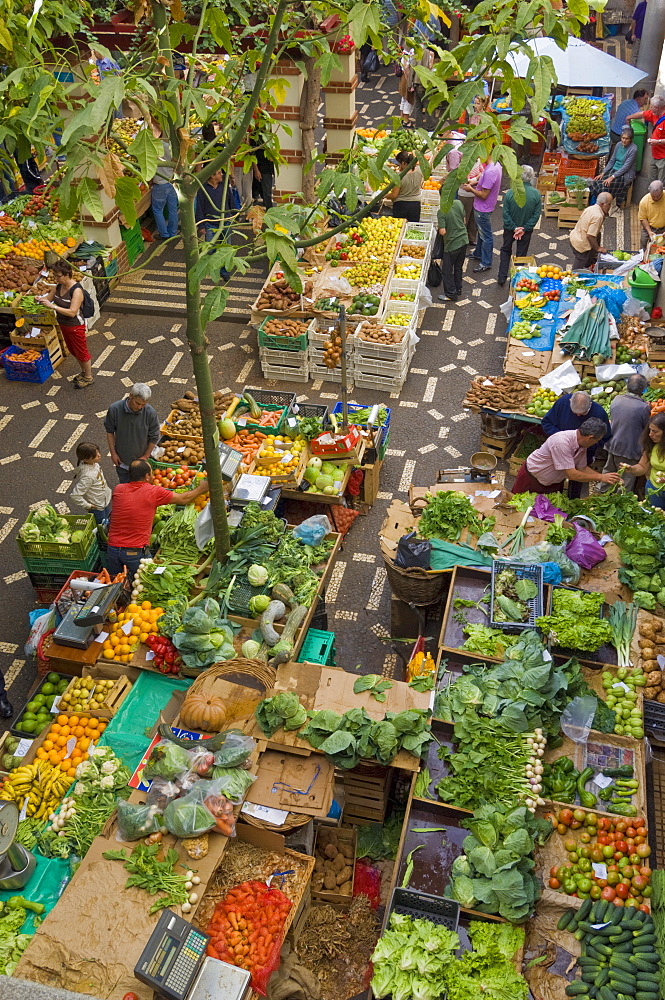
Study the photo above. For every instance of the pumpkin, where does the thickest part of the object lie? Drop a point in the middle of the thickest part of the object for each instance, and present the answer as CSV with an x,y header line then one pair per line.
x,y
203,712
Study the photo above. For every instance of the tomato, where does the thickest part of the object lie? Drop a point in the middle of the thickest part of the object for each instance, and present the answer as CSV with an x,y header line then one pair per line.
x,y
603,839
644,908
553,871
639,882
621,845
627,872
604,823
638,821
554,883
645,870
608,893
641,831
635,858
583,884
622,890
590,819
608,851
576,824
569,886
597,855
632,902
561,828
592,831
621,826
646,891
613,878
584,865
596,892
584,852
579,814
130,996
585,837
640,840
566,817
574,857
570,844
631,832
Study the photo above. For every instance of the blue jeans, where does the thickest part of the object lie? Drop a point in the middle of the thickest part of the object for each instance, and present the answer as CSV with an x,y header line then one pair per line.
x,y
655,497
164,196
102,515
117,558
485,243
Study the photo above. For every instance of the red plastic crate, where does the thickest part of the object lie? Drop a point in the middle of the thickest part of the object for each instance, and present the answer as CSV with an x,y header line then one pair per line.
x,y
338,447
569,167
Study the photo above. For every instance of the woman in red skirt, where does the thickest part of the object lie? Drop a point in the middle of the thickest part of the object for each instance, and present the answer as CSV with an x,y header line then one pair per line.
x,y
67,299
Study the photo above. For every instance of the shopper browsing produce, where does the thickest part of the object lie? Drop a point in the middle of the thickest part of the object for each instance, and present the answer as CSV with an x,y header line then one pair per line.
x,y
132,514
652,462
486,192
629,416
568,413
631,106
656,115
519,221
454,243
563,456
67,299
132,429
651,213
406,194
91,491
585,237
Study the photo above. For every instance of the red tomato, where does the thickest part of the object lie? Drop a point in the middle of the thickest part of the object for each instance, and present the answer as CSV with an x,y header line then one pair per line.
x,y
566,817
608,893
554,883
622,890
621,845
644,908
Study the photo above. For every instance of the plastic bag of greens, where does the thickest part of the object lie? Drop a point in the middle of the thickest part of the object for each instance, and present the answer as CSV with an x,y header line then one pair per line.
x,y
168,761
161,793
188,816
233,782
137,820
235,750
544,552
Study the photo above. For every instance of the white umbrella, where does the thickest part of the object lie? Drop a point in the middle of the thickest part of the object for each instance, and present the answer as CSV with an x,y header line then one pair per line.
x,y
579,65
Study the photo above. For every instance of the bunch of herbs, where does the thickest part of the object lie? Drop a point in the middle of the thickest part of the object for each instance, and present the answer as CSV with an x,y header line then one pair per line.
x,y
448,514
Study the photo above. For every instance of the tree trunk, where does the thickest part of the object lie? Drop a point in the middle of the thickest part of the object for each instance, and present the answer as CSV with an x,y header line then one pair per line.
x,y
309,116
198,344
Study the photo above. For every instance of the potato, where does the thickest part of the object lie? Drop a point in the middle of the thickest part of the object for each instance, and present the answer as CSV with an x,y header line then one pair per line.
x,y
651,693
329,882
345,875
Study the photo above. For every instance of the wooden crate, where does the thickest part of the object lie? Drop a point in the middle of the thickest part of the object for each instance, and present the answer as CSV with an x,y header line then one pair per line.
x,y
366,790
329,895
49,338
113,700
497,446
551,209
571,197
568,217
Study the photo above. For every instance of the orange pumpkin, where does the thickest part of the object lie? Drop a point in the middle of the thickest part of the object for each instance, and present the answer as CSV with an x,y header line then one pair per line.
x,y
203,712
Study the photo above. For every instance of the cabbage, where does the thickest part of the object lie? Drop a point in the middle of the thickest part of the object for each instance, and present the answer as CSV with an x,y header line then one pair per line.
x,y
250,649
311,474
257,575
327,468
77,536
29,533
323,481
258,603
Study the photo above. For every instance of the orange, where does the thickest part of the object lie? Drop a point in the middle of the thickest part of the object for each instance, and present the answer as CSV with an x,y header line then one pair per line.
x,y
108,654
55,729
61,741
71,772
146,606
93,723
102,726
73,721
143,636
64,765
47,745
78,731
62,720
42,754
135,630
159,611
83,721
66,731
84,743
53,758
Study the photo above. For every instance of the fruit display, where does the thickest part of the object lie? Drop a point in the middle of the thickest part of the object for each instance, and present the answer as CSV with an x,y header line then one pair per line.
x,y
541,401
324,477
585,118
363,274
285,327
180,477
372,133
627,354
332,349
609,390
527,285
133,626
344,245
277,294
365,304
376,334
397,319
618,844
37,715
17,274
41,784
551,271
403,296
86,694
534,300
279,456
36,248
375,240
69,740
622,698
523,330
327,304
411,272
412,250
431,184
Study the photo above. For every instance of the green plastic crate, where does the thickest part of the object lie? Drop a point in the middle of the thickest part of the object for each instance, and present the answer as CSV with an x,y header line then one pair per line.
x,y
61,550
278,343
318,647
64,567
252,427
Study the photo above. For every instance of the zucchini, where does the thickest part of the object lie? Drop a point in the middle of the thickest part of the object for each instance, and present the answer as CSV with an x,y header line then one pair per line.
x,y
275,610
576,989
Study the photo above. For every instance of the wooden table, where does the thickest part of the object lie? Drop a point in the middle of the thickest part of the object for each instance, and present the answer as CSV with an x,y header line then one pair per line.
x,y
68,660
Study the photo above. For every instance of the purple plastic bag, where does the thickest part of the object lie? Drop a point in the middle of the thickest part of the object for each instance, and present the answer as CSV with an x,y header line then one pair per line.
x,y
584,549
544,509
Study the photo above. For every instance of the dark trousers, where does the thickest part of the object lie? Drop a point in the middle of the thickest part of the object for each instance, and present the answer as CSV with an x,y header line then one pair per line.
x,y
264,187
452,262
117,558
409,210
584,260
520,250
122,474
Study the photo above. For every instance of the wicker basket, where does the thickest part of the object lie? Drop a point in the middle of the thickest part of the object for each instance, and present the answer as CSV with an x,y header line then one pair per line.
x,y
416,586
256,669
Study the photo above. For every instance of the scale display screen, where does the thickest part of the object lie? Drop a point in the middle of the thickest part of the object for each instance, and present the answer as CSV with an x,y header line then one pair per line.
x,y
172,957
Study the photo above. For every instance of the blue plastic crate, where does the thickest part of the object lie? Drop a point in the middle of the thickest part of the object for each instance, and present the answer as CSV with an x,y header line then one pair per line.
x,y
26,371
337,410
318,647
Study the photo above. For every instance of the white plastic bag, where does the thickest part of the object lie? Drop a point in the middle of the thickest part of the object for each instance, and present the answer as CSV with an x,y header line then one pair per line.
x,y
561,378
507,309
336,286
635,307
424,298
203,528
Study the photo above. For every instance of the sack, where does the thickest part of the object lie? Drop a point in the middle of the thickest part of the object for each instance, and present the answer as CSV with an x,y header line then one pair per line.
x,y
371,64
413,552
87,310
437,249
584,549
434,274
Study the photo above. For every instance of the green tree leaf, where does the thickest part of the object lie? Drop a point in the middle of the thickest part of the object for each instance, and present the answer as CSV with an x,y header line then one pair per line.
x,y
90,198
127,195
364,20
328,62
5,37
214,304
218,23
147,150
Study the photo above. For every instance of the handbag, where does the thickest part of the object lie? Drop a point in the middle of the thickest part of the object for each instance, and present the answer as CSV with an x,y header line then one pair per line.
x,y
371,64
434,275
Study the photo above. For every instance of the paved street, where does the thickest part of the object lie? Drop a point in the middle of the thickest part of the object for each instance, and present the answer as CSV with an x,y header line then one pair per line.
x,y
41,424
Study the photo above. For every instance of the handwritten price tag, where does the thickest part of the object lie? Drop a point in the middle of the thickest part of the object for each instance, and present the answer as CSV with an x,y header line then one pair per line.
x,y
71,743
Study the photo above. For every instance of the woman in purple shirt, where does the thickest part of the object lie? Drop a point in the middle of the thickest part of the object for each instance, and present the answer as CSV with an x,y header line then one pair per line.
x,y
486,192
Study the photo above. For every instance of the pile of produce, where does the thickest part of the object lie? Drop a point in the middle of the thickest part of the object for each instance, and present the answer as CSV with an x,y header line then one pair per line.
x,y
46,525
133,626
202,635
497,393
413,251
651,645
633,341
489,970
511,596
575,621
277,294
157,583
336,944
13,914
412,272
155,872
527,285
551,271
39,787
524,330
375,334
643,558
486,641
37,713
448,514
176,478
374,240
333,864
411,958
586,118
495,872
397,319
618,956
622,697
609,389
247,928
365,304
367,273
181,454
279,456
177,540
87,694
403,296
285,327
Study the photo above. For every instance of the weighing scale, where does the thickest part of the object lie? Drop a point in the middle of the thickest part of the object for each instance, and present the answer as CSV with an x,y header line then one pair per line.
x,y
16,862
175,965
83,622
480,470
229,460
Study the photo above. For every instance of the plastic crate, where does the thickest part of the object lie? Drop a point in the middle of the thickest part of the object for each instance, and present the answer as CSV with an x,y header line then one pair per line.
x,y
392,368
522,571
654,718
26,371
318,647
64,567
279,343
242,594
369,349
281,373
400,309
378,384
385,441
322,374
271,396
269,356
47,586
354,407
415,276
402,285
436,909
312,410
421,227
62,550
245,420
61,602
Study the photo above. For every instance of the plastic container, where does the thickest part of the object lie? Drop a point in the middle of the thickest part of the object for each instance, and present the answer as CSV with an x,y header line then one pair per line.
x,y
279,343
436,909
313,410
354,407
65,566
522,571
64,550
282,373
639,138
271,396
47,586
318,647
642,286
26,371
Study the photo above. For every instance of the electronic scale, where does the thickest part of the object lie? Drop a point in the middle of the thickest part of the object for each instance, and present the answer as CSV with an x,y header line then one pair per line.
x,y
83,621
175,965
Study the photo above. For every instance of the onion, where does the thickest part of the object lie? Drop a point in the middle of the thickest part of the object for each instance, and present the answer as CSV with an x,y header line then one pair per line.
x,y
193,898
186,907
196,880
188,885
189,875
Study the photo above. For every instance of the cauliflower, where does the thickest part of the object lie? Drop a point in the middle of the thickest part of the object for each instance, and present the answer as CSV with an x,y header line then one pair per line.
x,y
109,767
107,782
79,787
83,768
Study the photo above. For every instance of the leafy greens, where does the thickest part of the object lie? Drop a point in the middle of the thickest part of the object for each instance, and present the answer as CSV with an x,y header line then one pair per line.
x,y
411,957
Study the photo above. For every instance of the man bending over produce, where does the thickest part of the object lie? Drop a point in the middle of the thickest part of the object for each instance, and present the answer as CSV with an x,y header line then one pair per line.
x,y
568,413
132,513
564,456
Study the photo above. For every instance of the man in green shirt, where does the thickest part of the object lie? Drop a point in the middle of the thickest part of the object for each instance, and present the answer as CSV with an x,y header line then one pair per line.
x,y
519,222
455,240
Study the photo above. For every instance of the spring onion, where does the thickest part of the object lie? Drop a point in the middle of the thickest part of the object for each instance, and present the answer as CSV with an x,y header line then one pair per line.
x,y
623,620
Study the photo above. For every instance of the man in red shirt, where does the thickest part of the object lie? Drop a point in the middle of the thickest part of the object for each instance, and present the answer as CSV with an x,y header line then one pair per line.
x,y
655,115
133,507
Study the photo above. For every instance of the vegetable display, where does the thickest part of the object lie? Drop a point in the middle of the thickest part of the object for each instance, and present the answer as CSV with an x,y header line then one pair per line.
x,y
574,622
12,942
448,514
511,596
160,582
203,636
46,525
346,739
485,641
334,861
411,957
176,539
282,711
488,972
622,696
148,872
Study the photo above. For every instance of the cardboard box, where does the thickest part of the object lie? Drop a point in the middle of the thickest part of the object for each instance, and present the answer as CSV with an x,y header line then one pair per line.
x,y
343,836
293,783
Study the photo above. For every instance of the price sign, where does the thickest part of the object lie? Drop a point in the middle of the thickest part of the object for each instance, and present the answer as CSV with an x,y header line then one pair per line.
x,y
70,744
24,809
22,748
127,627
158,570
599,870
602,780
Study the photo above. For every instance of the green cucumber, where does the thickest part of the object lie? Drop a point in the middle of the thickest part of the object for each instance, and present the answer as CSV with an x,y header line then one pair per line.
x,y
602,978
592,953
576,989
600,908
643,995
616,916
625,948
604,949
585,910
623,985
631,924
622,962
620,938
606,993
565,920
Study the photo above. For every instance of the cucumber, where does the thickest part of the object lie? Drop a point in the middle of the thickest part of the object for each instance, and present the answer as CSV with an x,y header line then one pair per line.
x,y
622,962
600,909
598,939
620,938
606,993
602,978
631,924
576,989
604,949
623,985
645,962
625,948
643,995
589,977
585,963
585,910
578,934
565,920
592,953
615,917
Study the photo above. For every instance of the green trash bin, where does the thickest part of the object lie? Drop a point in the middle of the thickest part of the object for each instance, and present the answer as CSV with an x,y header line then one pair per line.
x,y
639,138
642,286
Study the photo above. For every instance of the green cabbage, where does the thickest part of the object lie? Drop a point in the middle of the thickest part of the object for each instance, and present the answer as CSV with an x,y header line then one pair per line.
x,y
257,575
251,648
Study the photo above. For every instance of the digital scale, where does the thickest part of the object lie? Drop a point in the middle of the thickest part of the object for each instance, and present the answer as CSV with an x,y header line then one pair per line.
x,y
174,964
83,621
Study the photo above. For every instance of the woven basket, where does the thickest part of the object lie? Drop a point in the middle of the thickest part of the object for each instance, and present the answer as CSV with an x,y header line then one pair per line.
x,y
260,672
415,585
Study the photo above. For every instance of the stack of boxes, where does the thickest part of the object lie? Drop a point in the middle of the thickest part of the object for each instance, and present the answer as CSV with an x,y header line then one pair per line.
x,y
50,564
